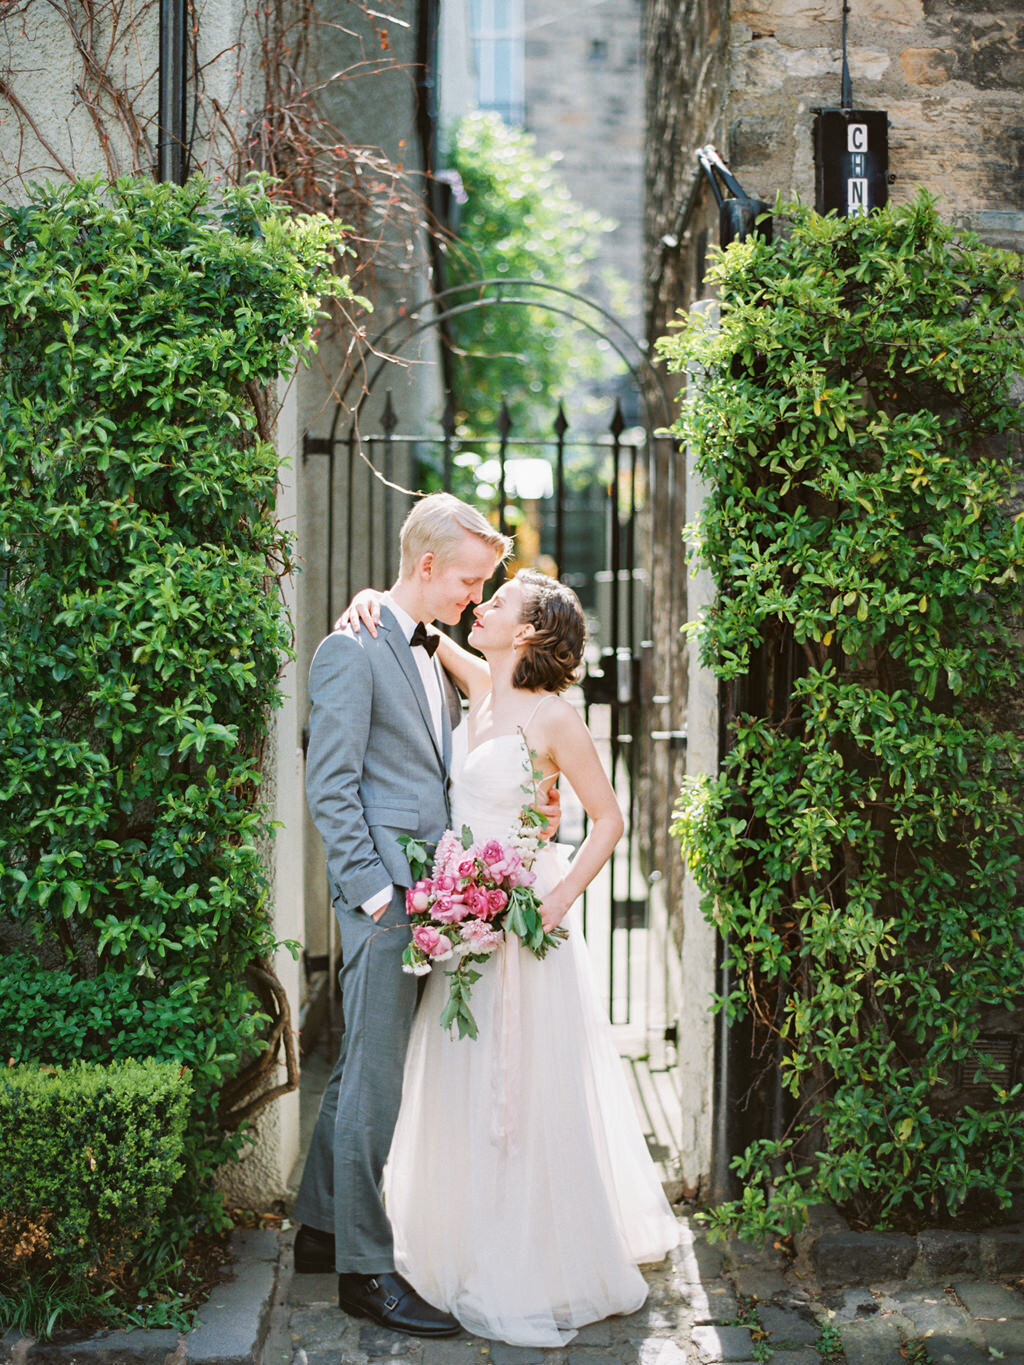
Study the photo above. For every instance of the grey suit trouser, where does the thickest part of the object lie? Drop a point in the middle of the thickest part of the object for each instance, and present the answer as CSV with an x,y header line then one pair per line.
x,y
340,1189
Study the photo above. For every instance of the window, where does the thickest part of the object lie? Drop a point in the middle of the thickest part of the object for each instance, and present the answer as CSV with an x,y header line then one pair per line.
x,y
497,37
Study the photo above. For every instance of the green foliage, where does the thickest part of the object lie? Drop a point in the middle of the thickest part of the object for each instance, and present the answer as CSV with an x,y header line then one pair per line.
x,y
141,626
862,843
91,1156
520,222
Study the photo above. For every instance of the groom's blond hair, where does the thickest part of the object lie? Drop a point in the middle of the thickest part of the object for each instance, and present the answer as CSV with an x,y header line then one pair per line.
x,y
437,525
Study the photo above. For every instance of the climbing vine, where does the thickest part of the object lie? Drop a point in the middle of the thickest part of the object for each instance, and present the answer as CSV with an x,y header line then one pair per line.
x,y
855,422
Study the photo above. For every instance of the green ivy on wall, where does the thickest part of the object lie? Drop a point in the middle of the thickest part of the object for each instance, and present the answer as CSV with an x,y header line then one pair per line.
x,y
141,624
861,845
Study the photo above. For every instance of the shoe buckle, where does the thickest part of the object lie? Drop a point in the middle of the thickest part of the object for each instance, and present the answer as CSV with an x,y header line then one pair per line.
x,y
373,1285
391,1303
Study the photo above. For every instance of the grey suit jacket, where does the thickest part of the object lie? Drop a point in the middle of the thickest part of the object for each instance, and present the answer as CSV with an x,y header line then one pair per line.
x,y
374,770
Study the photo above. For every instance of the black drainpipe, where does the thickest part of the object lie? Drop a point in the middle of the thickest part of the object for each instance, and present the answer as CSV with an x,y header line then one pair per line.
x,y
172,160
436,194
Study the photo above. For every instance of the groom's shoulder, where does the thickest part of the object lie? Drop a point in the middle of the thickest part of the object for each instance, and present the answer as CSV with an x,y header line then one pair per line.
x,y
347,645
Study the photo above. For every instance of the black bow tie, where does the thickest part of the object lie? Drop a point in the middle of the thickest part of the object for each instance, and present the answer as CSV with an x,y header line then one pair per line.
x,y
421,636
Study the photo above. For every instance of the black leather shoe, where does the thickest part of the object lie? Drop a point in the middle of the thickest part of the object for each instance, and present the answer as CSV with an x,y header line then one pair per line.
x,y
314,1252
392,1302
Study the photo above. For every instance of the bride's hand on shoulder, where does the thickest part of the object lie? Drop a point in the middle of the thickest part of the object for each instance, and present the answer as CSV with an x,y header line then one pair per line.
x,y
363,610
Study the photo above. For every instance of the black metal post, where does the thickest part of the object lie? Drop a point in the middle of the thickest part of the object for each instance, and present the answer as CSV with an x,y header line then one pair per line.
x,y
173,79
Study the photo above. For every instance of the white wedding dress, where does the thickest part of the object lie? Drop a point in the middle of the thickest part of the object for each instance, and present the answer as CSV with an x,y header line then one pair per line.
x,y
519,1186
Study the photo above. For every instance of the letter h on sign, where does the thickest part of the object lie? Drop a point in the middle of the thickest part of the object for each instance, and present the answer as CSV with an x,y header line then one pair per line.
x,y
851,160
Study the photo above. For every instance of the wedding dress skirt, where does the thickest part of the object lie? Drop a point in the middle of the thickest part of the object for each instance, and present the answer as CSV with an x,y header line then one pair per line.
x,y
519,1186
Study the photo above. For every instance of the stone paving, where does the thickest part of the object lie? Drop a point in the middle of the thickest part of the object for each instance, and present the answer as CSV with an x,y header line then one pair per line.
x,y
879,1301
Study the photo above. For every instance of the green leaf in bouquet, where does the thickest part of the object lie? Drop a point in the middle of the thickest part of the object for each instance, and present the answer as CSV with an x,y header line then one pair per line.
x,y
456,1011
467,837
419,853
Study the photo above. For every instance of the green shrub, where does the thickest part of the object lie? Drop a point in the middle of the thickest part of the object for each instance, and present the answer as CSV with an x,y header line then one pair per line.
x,y
862,843
519,222
141,625
90,1156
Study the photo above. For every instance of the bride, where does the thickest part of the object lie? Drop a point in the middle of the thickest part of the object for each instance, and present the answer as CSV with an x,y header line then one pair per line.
x,y
519,1185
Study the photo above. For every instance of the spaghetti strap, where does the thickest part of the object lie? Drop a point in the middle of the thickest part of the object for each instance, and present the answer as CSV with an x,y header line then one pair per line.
x,y
548,696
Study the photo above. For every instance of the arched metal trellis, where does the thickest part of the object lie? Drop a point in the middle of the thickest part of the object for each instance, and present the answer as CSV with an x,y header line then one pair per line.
x,y
609,524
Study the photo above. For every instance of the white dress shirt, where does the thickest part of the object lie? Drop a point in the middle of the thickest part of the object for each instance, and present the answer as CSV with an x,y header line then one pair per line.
x,y
428,670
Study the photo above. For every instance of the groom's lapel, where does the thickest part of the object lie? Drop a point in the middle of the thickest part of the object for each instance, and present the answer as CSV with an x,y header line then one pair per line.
x,y
399,646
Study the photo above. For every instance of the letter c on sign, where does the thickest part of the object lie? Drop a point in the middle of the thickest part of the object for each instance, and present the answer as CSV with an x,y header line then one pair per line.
x,y
857,137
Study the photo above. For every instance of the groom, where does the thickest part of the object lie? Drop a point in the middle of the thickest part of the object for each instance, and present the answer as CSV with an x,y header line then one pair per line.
x,y
377,768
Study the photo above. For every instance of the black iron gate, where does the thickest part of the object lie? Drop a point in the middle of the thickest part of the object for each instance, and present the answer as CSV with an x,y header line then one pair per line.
x,y
602,509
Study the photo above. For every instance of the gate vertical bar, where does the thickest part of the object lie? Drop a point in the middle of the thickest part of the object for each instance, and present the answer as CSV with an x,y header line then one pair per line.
x,y
389,423
561,427
349,536
504,427
448,434
612,658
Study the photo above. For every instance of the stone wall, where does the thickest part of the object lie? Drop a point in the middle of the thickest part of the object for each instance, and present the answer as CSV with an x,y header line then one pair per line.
x,y
747,77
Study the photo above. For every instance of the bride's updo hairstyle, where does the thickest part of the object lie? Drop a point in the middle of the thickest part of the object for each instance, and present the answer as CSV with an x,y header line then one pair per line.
x,y
551,658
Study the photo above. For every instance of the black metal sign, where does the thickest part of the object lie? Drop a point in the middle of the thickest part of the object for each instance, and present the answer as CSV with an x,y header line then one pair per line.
x,y
851,160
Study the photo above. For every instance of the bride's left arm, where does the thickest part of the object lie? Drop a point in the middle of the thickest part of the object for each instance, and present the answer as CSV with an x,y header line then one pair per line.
x,y
571,749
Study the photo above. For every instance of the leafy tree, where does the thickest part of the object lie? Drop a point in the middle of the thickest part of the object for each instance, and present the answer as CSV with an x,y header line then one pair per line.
x,y
862,844
519,222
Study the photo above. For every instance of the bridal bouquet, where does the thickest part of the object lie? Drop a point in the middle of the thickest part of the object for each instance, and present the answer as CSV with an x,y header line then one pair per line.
x,y
464,903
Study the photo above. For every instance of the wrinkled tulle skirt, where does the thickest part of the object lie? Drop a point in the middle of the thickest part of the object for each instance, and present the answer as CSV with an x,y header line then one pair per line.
x,y
519,1186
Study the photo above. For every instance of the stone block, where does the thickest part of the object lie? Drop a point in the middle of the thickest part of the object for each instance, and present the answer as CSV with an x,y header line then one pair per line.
x,y
872,1342
318,1327
656,1351
947,1350
255,1244
713,1303
716,1344
788,1328
594,1334
762,1285
851,1258
760,1255
455,1351
1007,1337
944,1252
982,1299
378,1343
1002,1251
233,1321
311,1289
804,1355
928,65
144,1347
853,1305
503,1354
934,1313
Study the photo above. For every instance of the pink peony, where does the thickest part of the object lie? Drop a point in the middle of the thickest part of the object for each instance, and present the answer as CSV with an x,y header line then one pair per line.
x,y
444,884
417,898
493,852
478,902
431,942
466,867
449,848
480,936
496,902
449,909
